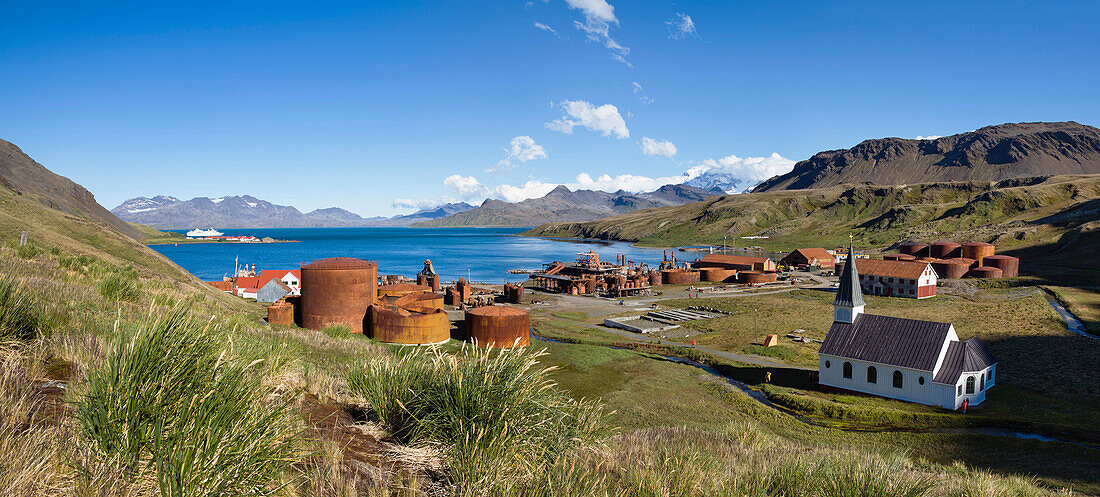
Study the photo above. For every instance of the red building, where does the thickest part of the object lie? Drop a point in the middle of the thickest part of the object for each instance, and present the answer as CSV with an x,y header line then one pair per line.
x,y
914,280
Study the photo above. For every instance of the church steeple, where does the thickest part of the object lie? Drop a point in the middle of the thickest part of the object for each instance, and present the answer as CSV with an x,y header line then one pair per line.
x,y
849,297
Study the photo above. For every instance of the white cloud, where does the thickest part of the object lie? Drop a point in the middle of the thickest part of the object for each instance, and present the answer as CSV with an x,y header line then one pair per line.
x,y
530,189
645,100
598,18
637,87
681,26
547,28
520,150
468,187
733,173
929,137
653,147
404,203
604,119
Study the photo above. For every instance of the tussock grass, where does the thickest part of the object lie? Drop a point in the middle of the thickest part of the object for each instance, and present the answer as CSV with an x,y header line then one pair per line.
x,y
498,417
337,330
21,316
119,288
171,403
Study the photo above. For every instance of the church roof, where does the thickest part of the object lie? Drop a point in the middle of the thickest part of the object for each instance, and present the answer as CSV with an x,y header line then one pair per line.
x,y
849,293
906,343
962,357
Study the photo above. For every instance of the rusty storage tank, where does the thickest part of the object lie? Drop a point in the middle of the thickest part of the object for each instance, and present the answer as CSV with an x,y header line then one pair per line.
x,y
280,313
338,290
409,326
899,257
498,326
755,277
951,268
679,277
399,289
513,293
717,274
946,250
655,278
1009,266
986,272
977,251
419,299
915,249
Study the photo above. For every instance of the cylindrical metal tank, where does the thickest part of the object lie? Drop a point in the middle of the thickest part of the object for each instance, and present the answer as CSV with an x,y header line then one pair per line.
x,y
716,274
415,326
679,277
280,313
430,300
755,277
946,250
986,272
655,278
498,326
977,251
1009,266
952,268
915,249
899,257
338,290
400,289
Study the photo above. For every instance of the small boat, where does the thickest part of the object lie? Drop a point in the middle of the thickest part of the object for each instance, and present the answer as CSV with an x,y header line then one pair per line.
x,y
203,233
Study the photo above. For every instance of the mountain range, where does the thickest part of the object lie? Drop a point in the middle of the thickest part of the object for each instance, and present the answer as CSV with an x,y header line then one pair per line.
x,y
565,205
244,211
992,153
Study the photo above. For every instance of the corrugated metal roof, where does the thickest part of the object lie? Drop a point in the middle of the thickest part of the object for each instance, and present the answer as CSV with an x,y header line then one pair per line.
x,y
907,343
961,357
893,269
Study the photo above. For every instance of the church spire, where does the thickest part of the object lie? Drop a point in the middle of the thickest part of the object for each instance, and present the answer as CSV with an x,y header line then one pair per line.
x,y
849,296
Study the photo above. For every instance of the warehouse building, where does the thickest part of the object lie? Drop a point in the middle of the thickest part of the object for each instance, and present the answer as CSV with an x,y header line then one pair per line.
x,y
885,278
809,257
738,262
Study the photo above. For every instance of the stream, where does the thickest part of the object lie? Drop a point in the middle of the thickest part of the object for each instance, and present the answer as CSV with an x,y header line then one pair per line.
x,y
1075,325
759,396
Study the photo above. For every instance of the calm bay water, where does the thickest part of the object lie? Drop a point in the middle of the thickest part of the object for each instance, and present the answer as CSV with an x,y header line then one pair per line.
x,y
487,253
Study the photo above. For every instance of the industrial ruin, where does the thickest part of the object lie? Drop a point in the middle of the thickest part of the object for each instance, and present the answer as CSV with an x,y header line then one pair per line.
x,y
952,260
588,275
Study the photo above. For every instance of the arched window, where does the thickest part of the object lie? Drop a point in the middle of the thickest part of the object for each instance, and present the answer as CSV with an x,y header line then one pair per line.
x,y
970,384
872,374
983,383
847,369
897,379
827,365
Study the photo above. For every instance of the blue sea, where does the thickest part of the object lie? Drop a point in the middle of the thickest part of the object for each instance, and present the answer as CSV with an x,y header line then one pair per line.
x,y
483,254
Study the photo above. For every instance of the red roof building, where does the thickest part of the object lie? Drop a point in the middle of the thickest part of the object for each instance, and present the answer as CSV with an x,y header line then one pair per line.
x,y
897,278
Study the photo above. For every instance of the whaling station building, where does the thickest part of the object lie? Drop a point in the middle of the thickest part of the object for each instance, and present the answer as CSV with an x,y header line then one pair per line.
x,y
905,359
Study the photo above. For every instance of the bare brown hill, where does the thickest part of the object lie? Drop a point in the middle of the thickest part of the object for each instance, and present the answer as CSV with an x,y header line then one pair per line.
x,y
992,153
22,175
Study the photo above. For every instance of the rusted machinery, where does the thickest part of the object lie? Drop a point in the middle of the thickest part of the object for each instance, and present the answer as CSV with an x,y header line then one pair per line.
x,y
337,290
513,294
399,289
986,272
679,276
756,277
429,277
1009,266
281,313
899,257
717,274
915,249
412,325
460,293
946,250
654,278
498,326
977,251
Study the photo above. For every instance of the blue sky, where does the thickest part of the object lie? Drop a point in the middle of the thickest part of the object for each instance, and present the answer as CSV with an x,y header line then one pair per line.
x,y
366,105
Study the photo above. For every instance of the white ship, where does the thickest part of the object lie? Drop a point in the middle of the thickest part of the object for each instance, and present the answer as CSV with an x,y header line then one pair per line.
x,y
202,233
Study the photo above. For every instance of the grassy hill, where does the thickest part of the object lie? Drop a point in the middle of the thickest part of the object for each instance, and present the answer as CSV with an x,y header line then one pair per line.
x,y
1018,214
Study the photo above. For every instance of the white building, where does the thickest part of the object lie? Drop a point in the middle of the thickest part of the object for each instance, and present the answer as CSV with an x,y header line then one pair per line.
x,y
905,359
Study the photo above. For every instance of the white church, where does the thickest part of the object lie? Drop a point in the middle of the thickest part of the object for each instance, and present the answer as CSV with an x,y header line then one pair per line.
x,y
905,359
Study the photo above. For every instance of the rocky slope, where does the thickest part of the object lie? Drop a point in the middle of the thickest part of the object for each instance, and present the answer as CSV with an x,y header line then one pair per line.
x,y
992,153
562,204
165,212
23,176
